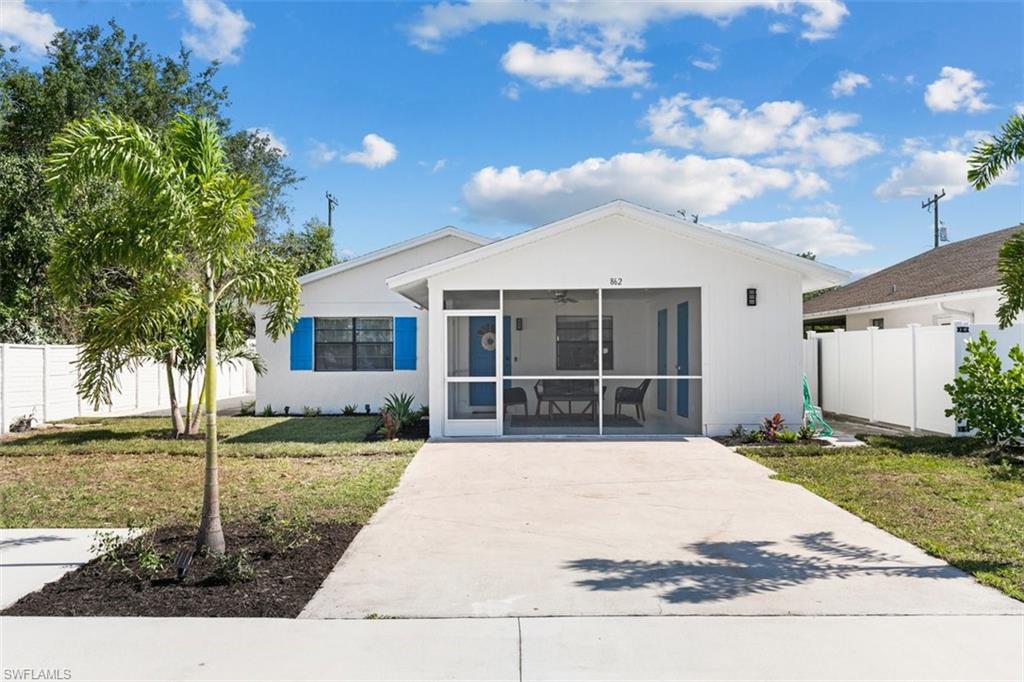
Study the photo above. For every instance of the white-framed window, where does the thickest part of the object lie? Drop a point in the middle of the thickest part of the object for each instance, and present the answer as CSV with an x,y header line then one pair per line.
x,y
353,344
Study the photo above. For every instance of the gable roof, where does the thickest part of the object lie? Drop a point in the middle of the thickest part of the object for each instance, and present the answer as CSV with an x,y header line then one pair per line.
x,y
965,265
814,272
381,254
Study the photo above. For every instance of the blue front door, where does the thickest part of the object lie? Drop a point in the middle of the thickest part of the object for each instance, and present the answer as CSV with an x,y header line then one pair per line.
x,y
481,360
683,359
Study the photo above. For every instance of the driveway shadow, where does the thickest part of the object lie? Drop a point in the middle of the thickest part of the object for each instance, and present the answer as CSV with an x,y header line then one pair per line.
x,y
729,570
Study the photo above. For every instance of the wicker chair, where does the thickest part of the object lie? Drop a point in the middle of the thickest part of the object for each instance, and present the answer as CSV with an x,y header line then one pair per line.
x,y
632,395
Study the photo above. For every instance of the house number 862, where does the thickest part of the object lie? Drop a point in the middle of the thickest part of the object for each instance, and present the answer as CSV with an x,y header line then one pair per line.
x,y
615,281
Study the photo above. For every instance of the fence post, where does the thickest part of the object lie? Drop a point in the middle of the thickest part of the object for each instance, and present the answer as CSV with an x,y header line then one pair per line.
x,y
46,380
3,388
913,376
839,370
873,386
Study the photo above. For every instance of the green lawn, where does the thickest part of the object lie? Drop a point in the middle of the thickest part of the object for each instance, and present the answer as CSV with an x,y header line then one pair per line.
x,y
117,471
939,493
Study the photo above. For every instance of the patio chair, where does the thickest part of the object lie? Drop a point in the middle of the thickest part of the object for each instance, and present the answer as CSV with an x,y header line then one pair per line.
x,y
515,396
632,395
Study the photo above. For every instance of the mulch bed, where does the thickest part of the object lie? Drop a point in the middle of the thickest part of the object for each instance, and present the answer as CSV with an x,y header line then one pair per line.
x,y
731,441
418,431
284,582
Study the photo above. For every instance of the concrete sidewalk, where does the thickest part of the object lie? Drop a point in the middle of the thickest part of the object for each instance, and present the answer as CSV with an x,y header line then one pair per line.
x,y
32,557
613,648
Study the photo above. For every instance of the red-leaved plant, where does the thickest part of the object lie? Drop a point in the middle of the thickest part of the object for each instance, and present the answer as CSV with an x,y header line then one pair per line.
x,y
771,426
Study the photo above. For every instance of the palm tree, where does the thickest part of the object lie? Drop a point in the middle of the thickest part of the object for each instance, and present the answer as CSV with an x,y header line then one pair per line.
x,y
990,159
184,243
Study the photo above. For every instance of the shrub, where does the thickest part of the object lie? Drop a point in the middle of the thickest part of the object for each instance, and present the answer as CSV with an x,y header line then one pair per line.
x,y
738,431
310,411
267,411
233,568
756,437
770,426
349,410
400,408
424,411
787,436
248,408
807,432
986,398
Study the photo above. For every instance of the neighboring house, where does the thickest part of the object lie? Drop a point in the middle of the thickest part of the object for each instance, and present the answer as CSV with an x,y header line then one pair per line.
x,y
956,282
696,330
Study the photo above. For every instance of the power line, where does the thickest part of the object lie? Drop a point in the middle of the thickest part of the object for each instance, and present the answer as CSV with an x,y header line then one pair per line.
x,y
934,202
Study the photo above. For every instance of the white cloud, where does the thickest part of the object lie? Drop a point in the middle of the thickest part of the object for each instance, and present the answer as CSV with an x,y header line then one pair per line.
x,y
273,140
321,154
711,60
21,25
778,27
847,83
927,170
701,185
808,184
376,152
218,32
618,23
511,91
824,236
956,89
435,167
788,130
576,67
1018,108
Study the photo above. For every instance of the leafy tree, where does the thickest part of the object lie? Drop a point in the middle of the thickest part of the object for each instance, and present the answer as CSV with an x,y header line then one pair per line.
x,y
985,397
310,250
187,246
990,159
87,71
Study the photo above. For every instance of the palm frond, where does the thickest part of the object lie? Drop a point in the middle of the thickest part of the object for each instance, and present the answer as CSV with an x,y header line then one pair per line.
x,y
1011,279
993,157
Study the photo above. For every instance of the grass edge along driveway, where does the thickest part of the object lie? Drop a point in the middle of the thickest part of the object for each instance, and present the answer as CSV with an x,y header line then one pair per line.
x,y
124,471
939,493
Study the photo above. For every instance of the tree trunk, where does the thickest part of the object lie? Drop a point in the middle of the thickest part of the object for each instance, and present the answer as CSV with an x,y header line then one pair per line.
x,y
193,416
211,535
177,424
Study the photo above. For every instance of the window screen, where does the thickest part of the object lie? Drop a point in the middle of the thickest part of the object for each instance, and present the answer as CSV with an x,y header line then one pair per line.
x,y
576,342
354,344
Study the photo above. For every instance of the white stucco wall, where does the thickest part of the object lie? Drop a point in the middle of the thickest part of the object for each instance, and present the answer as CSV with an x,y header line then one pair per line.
x,y
750,356
357,292
982,306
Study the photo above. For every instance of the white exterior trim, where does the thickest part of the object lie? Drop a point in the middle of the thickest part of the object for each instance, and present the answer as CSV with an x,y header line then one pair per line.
x,y
889,305
387,251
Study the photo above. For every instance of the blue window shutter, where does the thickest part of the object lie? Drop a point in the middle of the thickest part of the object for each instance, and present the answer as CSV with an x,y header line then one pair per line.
x,y
302,344
405,343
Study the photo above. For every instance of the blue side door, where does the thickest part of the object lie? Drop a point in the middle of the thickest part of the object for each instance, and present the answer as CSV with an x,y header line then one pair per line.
x,y
683,358
662,358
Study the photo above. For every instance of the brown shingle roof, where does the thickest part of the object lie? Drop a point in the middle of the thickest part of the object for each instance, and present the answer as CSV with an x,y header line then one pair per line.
x,y
960,266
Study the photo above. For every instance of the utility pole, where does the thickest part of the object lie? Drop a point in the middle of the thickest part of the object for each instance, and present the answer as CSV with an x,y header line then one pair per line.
x,y
934,202
332,202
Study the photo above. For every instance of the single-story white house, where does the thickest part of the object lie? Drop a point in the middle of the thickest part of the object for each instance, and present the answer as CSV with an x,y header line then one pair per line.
x,y
619,320
955,282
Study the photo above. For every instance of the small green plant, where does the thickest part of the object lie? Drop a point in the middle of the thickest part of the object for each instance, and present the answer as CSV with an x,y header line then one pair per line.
x,y
738,432
1006,470
267,411
399,407
310,411
424,411
349,410
286,533
115,552
807,432
233,568
787,436
247,408
770,426
986,398
151,562
756,437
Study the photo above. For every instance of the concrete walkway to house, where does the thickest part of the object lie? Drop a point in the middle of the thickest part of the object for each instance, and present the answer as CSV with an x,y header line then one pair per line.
x,y
32,557
616,528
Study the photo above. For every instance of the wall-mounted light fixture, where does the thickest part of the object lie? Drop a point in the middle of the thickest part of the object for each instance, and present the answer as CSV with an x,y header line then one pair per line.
x,y
519,324
751,297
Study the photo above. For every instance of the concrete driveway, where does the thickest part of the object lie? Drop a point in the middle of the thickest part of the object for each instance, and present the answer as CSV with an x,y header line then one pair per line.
x,y
627,528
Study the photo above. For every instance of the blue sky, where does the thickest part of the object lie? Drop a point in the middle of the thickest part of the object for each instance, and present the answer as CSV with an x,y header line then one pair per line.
x,y
808,126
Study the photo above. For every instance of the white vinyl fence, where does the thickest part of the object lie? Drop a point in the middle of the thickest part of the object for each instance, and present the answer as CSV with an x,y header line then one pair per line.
x,y
895,376
42,380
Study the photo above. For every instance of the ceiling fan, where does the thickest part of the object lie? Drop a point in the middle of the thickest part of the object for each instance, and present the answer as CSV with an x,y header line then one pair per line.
x,y
560,296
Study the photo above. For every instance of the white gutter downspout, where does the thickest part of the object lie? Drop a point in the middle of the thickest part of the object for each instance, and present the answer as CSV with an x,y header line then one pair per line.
x,y
967,313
